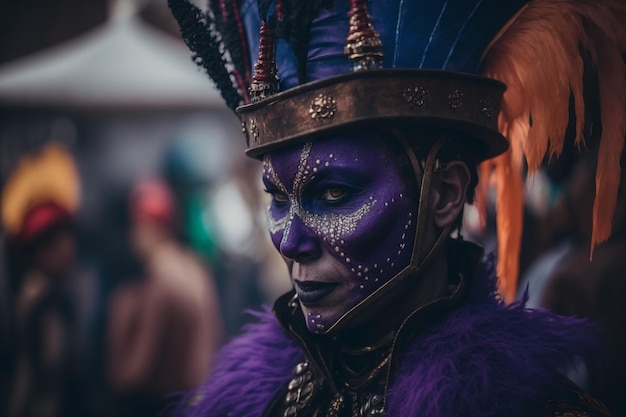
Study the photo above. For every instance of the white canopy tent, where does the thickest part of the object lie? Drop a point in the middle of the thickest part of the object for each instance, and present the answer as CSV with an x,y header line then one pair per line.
x,y
121,64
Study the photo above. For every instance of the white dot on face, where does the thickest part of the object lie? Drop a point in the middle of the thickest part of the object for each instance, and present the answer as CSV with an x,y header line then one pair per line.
x,y
348,260
314,169
326,163
361,286
317,161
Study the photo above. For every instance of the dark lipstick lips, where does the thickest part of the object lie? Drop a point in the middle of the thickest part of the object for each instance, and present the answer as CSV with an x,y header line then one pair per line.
x,y
310,292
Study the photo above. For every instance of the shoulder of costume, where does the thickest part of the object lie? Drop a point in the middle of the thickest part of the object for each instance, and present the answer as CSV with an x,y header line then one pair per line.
x,y
249,371
488,357
570,400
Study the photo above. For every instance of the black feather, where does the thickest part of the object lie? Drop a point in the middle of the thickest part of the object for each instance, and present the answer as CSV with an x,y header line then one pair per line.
x,y
233,38
295,28
297,31
264,6
198,32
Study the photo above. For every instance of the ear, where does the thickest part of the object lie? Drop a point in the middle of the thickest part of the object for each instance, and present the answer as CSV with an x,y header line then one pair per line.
x,y
450,196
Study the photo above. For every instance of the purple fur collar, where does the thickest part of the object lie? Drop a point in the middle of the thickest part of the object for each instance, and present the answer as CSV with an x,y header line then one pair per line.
x,y
486,359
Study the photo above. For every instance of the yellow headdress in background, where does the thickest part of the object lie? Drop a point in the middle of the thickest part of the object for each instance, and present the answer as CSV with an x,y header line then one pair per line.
x,y
47,177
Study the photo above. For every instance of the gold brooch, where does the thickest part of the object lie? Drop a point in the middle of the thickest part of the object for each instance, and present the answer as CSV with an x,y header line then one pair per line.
x,y
323,107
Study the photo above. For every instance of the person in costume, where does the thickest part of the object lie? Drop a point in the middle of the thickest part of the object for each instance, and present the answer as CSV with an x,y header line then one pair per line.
x,y
164,330
371,119
38,205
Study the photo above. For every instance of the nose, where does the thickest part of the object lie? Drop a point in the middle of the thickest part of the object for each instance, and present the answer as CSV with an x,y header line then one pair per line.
x,y
300,243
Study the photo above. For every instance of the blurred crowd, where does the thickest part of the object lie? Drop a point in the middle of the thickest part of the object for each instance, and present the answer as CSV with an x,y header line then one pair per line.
x,y
133,239
115,315
132,236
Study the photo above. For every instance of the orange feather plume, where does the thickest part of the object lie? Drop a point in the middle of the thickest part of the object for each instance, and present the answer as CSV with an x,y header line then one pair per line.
x,y
537,55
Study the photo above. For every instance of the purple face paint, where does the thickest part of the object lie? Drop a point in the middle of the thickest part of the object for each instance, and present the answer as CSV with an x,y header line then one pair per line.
x,y
344,213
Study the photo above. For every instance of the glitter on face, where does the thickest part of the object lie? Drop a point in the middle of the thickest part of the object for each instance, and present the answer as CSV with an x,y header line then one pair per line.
x,y
367,224
329,225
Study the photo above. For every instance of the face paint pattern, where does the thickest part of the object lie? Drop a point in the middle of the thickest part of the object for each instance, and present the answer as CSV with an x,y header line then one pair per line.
x,y
370,240
331,226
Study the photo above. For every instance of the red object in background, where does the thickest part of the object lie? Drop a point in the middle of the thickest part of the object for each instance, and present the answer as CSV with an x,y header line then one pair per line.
x,y
153,201
40,219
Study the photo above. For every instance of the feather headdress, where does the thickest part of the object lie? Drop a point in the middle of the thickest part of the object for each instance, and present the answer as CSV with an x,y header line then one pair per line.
x,y
539,56
217,39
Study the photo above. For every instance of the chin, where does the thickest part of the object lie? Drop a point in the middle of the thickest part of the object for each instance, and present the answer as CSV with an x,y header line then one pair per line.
x,y
318,320
325,313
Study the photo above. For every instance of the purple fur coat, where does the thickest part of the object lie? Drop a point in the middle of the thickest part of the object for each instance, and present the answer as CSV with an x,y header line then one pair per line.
x,y
485,359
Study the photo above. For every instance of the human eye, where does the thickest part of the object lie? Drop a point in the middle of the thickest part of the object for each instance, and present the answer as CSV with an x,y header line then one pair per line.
x,y
278,196
334,194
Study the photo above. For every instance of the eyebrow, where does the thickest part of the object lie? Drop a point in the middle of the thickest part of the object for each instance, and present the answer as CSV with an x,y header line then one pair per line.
x,y
350,173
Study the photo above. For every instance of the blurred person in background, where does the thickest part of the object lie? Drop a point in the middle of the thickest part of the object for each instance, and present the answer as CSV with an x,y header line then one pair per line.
x,y
163,330
593,286
38,205
216,192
